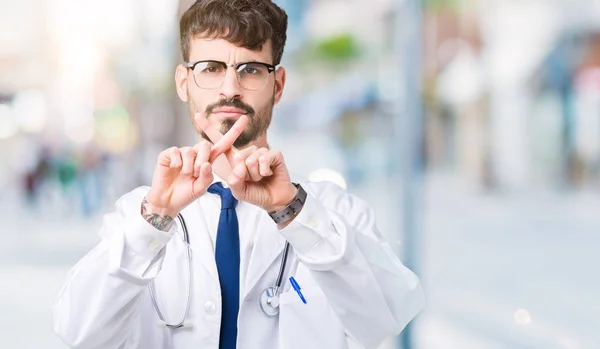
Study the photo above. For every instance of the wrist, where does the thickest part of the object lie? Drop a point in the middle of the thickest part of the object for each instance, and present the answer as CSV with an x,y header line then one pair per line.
x,y
288,213
160,218
159,204
285,199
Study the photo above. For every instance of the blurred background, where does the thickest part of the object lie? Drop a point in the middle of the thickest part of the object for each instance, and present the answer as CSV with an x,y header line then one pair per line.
x,y
472,127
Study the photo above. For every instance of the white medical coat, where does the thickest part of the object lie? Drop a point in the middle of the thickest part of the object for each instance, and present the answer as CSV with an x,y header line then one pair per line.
x,y
354,284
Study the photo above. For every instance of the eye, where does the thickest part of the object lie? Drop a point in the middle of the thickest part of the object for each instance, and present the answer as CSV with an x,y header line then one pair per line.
x,y
252,69
208,68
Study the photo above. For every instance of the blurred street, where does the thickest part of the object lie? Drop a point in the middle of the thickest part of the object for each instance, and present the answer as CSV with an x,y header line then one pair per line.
x,y
512,271
516,268
480,120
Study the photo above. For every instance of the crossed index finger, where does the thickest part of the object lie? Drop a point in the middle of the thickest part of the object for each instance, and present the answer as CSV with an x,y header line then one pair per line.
x,y
223,144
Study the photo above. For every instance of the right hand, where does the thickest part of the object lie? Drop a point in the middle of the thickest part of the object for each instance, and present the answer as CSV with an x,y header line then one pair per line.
x,y
184,174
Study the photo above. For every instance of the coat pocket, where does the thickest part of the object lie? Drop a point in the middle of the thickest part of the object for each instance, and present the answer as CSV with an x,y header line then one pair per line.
x,y
310,325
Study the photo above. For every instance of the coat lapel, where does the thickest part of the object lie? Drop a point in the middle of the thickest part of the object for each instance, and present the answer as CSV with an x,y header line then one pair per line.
x,y
200,240
268,245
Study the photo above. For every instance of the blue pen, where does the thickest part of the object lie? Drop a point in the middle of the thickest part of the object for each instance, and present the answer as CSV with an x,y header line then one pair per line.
x,y
297,288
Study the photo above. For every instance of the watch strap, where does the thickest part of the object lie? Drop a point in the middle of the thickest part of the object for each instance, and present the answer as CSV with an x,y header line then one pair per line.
x,y
292,209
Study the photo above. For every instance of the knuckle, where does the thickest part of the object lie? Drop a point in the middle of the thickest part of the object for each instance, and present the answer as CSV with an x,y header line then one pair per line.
x,y
251,162
168,151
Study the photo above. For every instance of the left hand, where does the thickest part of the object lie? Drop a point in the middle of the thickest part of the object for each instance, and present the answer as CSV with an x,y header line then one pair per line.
x,y
261,178
259,175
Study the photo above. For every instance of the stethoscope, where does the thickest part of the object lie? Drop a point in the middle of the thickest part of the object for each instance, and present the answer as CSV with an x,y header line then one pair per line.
x,y
268,300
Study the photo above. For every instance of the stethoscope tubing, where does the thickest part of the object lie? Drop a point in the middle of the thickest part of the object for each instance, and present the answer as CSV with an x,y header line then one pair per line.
x,y
188,252
282,266
152,289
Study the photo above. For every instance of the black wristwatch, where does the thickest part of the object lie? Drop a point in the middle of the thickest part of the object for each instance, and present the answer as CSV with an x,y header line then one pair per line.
x,y
292,209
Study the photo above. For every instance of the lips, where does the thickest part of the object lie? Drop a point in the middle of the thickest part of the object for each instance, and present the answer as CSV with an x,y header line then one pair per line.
x,y
229,112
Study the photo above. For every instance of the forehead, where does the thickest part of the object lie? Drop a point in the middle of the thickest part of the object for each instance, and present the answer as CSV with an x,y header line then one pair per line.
x,y
222,50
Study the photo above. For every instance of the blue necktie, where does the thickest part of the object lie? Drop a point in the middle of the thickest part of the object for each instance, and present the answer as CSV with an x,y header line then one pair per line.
x,y
227,256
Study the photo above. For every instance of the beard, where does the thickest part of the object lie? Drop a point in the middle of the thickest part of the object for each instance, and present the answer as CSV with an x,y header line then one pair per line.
x,y
258,120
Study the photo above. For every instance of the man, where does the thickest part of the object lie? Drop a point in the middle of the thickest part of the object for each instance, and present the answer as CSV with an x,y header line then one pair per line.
x,y
237,284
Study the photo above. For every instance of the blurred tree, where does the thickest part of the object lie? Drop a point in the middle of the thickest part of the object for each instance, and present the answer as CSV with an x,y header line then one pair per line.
x,y
441,4
338,47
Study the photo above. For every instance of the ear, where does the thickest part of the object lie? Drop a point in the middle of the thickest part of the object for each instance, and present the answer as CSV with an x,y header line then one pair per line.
x,y
279,83
181,82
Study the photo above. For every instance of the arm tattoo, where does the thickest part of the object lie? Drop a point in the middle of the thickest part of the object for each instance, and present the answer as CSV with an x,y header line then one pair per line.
x,y
157,221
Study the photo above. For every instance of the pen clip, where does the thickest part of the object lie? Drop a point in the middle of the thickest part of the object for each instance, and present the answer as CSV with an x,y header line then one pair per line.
x,y
297,288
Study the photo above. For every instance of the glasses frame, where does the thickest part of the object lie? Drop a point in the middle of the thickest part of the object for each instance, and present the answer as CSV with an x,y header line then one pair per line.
x,y
192,65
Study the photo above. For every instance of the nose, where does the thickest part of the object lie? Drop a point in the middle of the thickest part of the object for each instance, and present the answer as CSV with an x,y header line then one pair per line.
x,y
231,86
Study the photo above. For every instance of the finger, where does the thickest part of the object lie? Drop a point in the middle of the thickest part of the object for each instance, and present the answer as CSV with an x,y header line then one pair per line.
x,y
265,168
270,160
253,166
221,167
237,179
213,134
164,158
202,155
241,156
225,144
188,156
175,156
204,179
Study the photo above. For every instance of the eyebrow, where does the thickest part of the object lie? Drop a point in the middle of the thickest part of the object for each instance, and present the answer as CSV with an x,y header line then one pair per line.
x,y
240,62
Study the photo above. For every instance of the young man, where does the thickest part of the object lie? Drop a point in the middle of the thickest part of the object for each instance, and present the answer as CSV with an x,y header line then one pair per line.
x,y
224,276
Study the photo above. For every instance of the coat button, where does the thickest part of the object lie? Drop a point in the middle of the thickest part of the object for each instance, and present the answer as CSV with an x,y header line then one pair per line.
x,y
209,307
313,223
154,244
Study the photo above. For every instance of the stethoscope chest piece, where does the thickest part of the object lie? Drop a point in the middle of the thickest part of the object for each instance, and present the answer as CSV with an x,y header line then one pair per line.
x,y
269,301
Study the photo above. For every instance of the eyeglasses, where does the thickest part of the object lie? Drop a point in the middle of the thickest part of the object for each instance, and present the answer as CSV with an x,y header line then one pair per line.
x,y
252,76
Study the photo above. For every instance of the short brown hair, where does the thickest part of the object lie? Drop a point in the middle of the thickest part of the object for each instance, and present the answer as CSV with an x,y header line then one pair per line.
x,y
246,23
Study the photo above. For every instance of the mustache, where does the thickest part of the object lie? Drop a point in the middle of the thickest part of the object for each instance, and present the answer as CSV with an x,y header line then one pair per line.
x,y
230,102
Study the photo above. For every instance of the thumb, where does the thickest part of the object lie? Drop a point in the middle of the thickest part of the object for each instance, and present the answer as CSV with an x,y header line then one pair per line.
x,y
204,179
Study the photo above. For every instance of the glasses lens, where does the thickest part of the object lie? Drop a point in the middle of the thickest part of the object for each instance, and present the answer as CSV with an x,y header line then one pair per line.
x,y
253,76
209,75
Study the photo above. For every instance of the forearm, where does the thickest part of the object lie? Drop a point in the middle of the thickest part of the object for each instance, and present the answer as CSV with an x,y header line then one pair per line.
x,y
95,309
369,286
357,271
158,217
99,301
